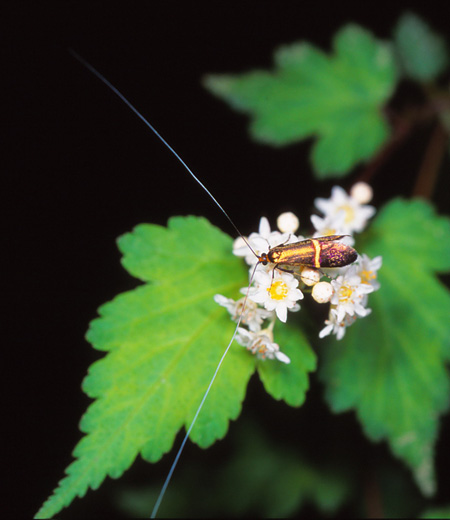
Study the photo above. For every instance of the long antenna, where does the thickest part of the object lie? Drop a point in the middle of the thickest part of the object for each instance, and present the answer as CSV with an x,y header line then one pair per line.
x,y
153,129
102,78
186,437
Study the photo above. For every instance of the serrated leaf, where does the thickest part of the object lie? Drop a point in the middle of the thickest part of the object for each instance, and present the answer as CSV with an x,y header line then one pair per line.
x,y
422,52
336,98
164,341
390,367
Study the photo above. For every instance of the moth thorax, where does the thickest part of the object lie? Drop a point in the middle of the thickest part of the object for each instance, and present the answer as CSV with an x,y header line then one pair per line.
x,y
274,256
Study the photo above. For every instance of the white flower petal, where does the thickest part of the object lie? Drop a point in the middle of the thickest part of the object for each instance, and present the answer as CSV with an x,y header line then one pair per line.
x,y
281,311
326,331
282,357
264,227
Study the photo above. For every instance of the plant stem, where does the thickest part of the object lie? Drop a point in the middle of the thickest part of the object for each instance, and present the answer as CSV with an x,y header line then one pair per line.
x,y
372,497
402,129
429,169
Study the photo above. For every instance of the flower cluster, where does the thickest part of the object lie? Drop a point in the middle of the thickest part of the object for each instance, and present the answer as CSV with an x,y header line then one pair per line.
x,y
273,291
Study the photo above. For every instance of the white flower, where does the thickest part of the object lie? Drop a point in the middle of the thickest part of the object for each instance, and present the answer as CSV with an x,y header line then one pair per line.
x,y
367,270
355,214
261,242
261,344
253,315
349,294
335,326
277,291
332,225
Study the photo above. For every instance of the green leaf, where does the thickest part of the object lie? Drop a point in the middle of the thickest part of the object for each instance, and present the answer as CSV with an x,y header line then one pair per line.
x,y
437,512
164,340
336,98
287,475
289,382
422,52
390,367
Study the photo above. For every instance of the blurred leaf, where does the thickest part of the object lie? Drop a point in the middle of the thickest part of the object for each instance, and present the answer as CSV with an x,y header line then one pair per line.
x,y
437,512
422,52
164,341
398,494
338,99
288,480
390,366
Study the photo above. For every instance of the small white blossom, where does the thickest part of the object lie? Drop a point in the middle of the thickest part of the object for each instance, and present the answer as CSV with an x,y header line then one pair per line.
x,y
349,294
288,222
332,225
261,344
260,242
355,214
367,270
329,225
253,316
277,291
322,292
335,326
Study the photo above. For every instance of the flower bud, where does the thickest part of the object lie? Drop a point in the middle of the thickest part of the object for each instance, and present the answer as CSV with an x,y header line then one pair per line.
x,y
288,222
361,192
322,292
310,276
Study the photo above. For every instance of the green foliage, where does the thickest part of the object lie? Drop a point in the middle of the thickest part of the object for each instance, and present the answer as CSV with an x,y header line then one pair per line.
x,y
422,52
391,366
164,340
288,479
336,98
437,512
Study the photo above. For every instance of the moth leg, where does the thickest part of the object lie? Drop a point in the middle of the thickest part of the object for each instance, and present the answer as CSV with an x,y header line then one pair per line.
x,y
285,242
277,266
283,269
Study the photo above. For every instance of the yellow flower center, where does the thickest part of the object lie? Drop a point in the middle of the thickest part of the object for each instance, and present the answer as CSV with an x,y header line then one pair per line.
x,y
349,213
278,290
366,276
345,293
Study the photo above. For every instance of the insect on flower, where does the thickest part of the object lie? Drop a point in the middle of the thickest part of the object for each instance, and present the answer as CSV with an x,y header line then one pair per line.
x,y
312,252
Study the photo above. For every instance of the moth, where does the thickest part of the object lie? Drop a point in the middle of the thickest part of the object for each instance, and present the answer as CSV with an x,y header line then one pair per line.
x,y
312,252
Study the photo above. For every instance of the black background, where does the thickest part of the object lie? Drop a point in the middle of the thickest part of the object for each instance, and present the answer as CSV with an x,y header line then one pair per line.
x,y
80,170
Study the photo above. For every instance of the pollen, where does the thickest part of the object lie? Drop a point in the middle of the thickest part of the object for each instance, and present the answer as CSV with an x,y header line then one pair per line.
x,y
345,293
367,276
278,290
